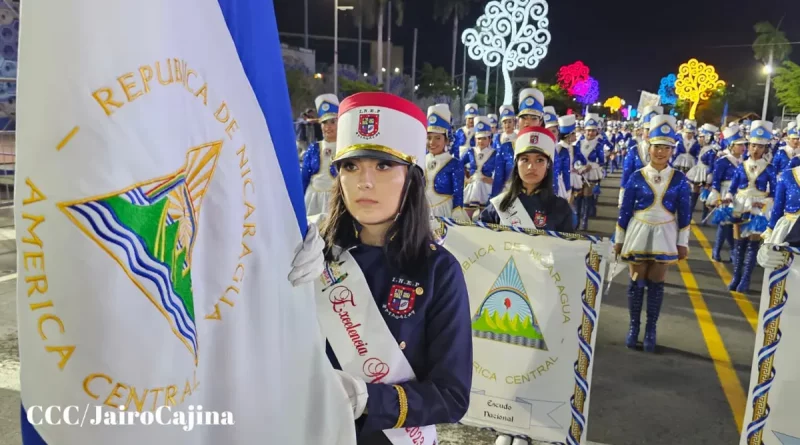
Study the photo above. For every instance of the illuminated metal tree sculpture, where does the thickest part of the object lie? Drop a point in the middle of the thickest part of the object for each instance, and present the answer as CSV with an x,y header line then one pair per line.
x,y
613,104
696,81
588,91
667,90
512,34
571,75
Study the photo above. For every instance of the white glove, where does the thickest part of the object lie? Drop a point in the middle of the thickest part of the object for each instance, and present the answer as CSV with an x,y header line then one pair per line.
x,y
309,260
768,258
356,390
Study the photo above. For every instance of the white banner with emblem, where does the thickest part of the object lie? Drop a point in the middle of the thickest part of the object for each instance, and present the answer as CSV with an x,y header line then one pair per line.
x,y
534,297
771,414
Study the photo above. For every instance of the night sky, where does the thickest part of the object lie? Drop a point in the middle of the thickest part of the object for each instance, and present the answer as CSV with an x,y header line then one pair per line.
x,y
629,46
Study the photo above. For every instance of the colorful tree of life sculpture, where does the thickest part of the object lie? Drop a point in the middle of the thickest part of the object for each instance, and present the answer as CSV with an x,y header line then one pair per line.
x,y
696,81
613,103
587,91
667,90
571,75
512,34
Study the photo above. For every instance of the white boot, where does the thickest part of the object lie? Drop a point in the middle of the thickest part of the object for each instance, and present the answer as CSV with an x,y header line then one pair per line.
x,y
518,441
503,440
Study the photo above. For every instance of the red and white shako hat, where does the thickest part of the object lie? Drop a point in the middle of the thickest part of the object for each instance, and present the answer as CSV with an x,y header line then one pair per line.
x,y
537,140
381,126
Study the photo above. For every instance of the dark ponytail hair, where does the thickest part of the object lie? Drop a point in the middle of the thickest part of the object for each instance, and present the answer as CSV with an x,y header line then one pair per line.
x,y
408,238
545,189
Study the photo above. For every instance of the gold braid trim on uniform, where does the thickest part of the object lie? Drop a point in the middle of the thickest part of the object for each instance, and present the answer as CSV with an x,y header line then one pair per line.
x,y
403,401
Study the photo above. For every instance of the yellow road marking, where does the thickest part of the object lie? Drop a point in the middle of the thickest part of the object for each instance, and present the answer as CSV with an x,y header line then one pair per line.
x,y
731,385
67,138
745,305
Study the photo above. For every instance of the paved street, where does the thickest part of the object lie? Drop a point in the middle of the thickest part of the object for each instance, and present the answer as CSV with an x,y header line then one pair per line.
x,y
673,397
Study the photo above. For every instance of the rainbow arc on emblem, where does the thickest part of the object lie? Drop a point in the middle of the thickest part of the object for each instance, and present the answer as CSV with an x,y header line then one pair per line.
x,y
150,230
506,315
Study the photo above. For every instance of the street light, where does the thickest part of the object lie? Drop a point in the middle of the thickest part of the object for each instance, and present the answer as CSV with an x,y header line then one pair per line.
x,y
767,69
336,9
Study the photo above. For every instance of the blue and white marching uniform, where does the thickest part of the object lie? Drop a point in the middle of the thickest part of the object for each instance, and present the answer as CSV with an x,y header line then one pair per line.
x,y
317,171
786,208
481,164
653,223
753,183
638,152
444,174
464,138
563,160
725,169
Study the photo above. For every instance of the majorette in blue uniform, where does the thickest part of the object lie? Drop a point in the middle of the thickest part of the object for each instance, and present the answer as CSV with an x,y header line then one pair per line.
x,y
317,172
638,155
387,301
589,160
751,194
503,143
451,131
444,174
465,136
793,142
785,210
531,114
653,226
784,155
493,123
701,174
724,170
565,156
561,187
508,122
688,149
480,162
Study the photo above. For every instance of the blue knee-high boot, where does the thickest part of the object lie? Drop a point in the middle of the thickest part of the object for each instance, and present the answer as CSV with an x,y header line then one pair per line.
x,y
587,207
635,300
719,239
749,265
655,296
729,236
737,257
695,197
579,210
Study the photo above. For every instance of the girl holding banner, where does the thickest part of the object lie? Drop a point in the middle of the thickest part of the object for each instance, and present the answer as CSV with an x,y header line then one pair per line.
x,y
751,193
653,228
531,202
392,304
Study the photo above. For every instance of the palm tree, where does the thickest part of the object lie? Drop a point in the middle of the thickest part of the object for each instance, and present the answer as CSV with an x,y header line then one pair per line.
x,y
367,11
769,47
458,9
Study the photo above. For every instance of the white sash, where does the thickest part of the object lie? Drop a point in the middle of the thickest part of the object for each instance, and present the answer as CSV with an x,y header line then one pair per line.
x,y
358,335
516,215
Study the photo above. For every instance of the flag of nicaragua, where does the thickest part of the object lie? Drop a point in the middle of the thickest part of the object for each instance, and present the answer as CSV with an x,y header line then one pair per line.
x,y
156,232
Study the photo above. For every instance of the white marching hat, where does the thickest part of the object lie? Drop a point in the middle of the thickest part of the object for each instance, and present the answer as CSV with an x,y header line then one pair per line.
x,y
492,119
327,107
483,127
439,119
381,126
690,125
535,139
507,112
731,136
648,113
531,102
761,132
592,121
708,130
662,130
470,110
550,117
566,124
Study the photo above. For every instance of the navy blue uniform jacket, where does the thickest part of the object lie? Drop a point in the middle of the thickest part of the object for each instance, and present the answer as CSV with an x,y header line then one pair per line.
x,y
437,339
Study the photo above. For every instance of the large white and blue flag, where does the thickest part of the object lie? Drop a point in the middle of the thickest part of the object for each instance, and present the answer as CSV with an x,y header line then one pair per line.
x,y
158,205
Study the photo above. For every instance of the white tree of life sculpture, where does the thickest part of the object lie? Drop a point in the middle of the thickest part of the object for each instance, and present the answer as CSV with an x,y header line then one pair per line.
x,y
511,32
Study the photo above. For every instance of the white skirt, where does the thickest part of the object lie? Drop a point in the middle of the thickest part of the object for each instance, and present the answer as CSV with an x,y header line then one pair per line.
x,y
576,181
316,202
782,228
715,196
744,204
684,160
698,174
477,192
650,242
595,174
